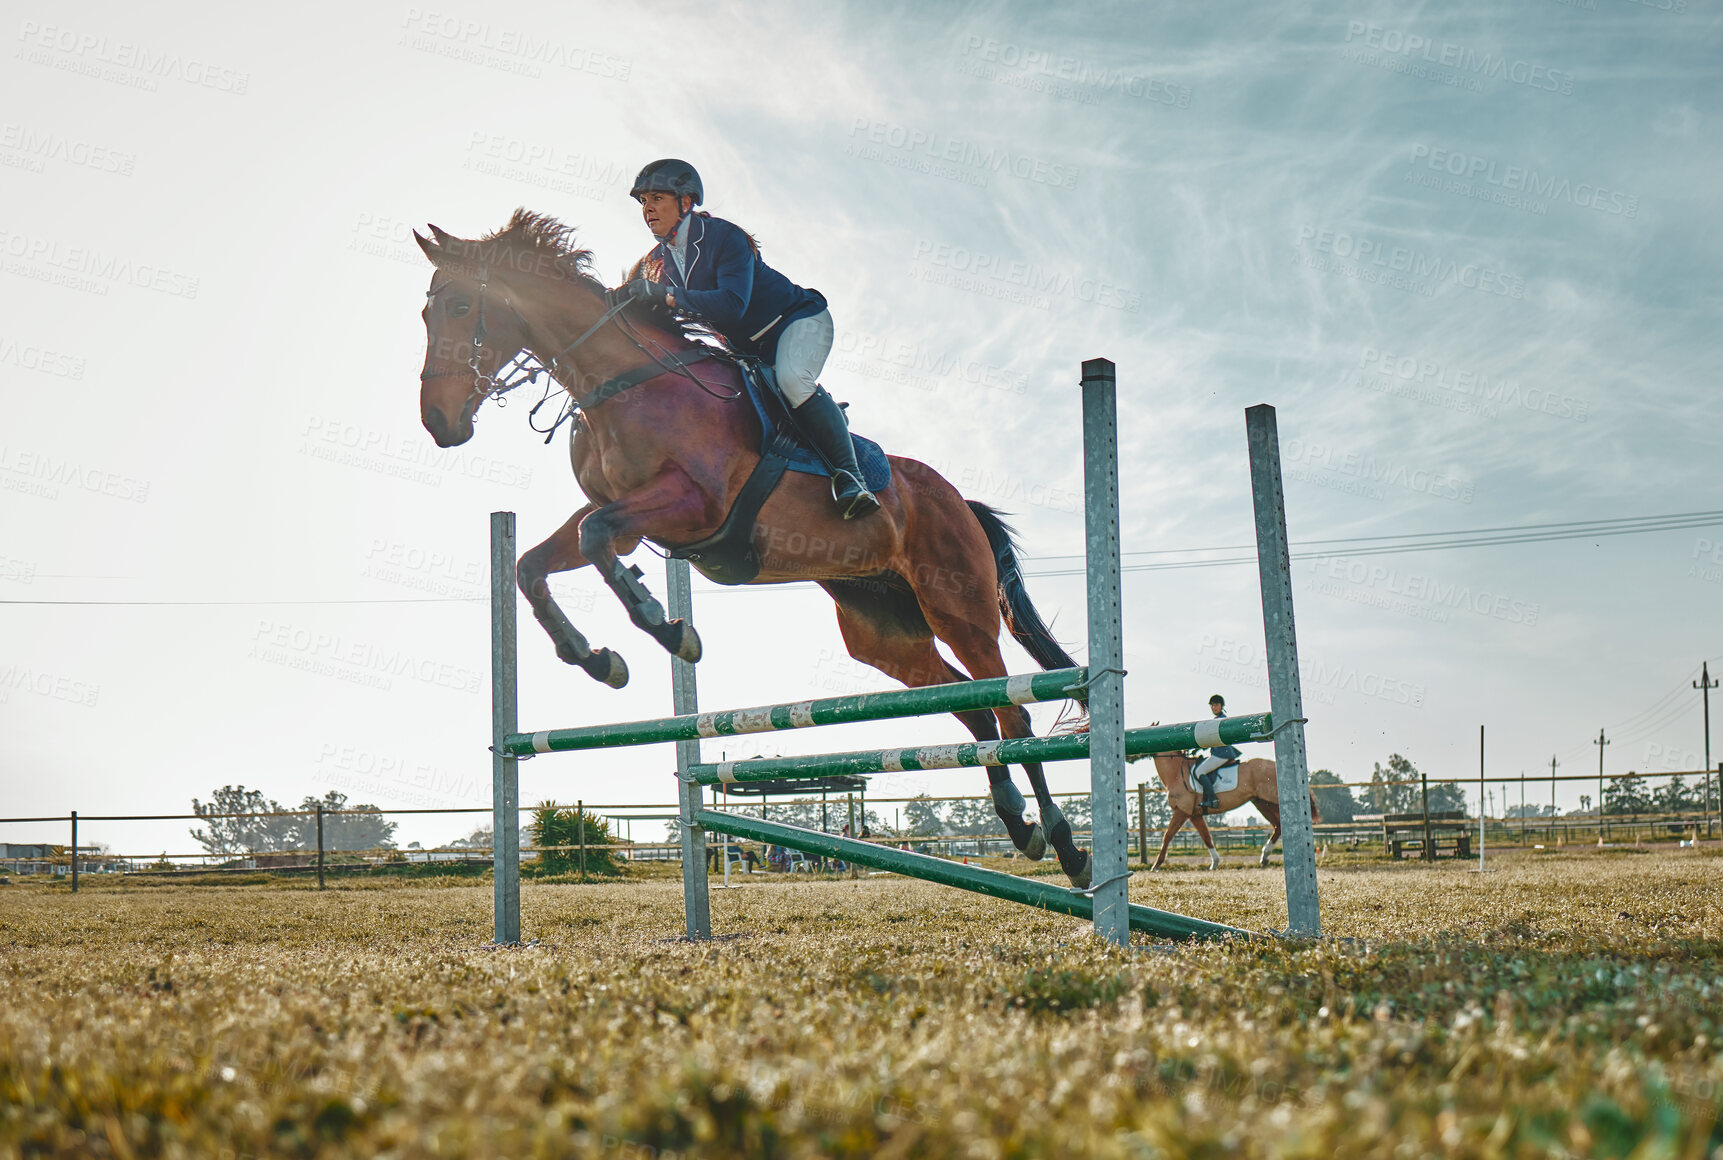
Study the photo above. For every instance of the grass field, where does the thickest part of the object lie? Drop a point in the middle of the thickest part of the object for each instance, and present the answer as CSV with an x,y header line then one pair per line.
x,y
1569,1003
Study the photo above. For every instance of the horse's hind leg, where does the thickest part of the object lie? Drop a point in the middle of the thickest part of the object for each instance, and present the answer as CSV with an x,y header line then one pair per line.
x,y
561,553
1271,811
905,652
966,617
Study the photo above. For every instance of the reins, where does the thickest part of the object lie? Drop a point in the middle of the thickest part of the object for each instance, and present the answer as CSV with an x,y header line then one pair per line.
x,y
495,386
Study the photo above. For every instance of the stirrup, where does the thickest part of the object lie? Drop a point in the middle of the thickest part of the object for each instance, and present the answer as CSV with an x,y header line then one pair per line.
x,y
857,504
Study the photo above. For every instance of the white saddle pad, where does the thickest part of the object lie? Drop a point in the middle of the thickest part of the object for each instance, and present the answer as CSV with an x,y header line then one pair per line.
x,y
1225,780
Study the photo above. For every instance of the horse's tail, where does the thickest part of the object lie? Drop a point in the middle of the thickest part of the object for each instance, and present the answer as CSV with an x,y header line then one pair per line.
x,y
1315,810
1018,610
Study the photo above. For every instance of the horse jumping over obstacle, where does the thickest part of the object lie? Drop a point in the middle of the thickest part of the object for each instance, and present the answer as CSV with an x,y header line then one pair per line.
x,y
663,441
1257,786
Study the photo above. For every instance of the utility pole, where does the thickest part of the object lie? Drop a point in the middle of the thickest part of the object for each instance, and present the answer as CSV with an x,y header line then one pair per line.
x,y
1600,743
1705,684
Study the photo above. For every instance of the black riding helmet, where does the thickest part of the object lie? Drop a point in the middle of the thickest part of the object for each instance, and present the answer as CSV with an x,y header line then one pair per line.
x,y
669,175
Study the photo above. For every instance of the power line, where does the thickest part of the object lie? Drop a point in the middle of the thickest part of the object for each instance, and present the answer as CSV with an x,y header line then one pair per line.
x,y
1381,545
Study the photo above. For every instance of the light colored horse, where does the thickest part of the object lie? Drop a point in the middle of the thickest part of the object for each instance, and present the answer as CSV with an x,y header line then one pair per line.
x,y
1256,786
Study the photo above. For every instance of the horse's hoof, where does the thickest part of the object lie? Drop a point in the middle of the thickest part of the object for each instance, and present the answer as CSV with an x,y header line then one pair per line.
x,y
688,647
1035,848
1081,879
618,674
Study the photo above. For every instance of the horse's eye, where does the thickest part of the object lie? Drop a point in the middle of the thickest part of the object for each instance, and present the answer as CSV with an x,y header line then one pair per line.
x,y
457,307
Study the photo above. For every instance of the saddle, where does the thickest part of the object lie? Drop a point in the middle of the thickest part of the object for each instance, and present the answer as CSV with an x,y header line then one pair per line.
x,y
1225,778
728,556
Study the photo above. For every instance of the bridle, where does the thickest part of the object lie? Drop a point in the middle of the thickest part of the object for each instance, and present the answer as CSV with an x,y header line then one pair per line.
x,y
525,367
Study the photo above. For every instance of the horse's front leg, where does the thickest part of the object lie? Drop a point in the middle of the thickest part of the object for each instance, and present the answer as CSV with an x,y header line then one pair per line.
x,y
665,507
561,553
1173,826
1208,840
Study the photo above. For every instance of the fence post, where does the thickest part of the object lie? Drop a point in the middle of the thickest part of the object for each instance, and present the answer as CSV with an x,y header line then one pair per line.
x,y
320,845
1143,822
1110,828
684,697
505,719
74,851
580,820
1285,697
1429,851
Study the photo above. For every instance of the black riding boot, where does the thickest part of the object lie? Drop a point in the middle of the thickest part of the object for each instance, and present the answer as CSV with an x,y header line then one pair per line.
x,y
1210,801
822,421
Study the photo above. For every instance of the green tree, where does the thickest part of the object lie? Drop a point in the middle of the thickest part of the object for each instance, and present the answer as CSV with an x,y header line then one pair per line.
x,y
1676,797
974,816
1627,795
1385,798
238,823
360,827
921,818
1333,799
557,833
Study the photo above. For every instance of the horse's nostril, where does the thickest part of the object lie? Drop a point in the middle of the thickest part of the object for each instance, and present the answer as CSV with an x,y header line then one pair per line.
x,y
438,425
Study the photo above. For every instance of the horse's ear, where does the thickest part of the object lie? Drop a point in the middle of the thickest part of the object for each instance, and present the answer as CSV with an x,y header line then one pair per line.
x,y
431,249
443,236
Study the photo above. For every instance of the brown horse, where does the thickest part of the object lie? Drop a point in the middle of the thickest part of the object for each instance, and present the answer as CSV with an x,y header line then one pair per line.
x,y
1256,786
662,443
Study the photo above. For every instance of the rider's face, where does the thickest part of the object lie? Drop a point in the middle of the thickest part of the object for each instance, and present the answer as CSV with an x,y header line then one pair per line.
x,y
1217,708
662,211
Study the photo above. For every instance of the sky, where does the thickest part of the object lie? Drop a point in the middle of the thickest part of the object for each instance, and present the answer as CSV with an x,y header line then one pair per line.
x,y
1469,251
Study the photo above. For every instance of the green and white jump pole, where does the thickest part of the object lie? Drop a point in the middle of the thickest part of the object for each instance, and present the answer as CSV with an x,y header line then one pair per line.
x,y
1106,744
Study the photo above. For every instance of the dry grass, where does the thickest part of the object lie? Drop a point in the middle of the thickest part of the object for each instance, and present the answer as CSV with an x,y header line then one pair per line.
x,y
1567,1004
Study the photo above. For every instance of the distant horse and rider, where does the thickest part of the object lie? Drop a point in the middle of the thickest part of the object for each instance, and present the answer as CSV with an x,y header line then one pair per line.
x,y
697,423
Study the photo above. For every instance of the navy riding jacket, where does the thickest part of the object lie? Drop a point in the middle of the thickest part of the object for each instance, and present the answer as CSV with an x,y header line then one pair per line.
x,y
729,288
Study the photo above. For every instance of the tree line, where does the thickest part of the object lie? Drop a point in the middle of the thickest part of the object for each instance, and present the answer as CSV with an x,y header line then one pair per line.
x,y
239,821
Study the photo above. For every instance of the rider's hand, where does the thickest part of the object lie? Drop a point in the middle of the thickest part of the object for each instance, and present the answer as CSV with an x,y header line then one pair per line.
x,y
656,293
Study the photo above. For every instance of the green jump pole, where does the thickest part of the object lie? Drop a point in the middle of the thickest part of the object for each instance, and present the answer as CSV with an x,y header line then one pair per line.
x,y
1028,891
957,697
1011,751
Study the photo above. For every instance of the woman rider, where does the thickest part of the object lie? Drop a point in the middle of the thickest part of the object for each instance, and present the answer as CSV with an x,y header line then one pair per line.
x,y
710,269
1209,768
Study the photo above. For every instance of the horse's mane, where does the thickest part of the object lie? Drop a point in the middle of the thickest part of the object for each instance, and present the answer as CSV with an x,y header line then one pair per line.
x,y
550,245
